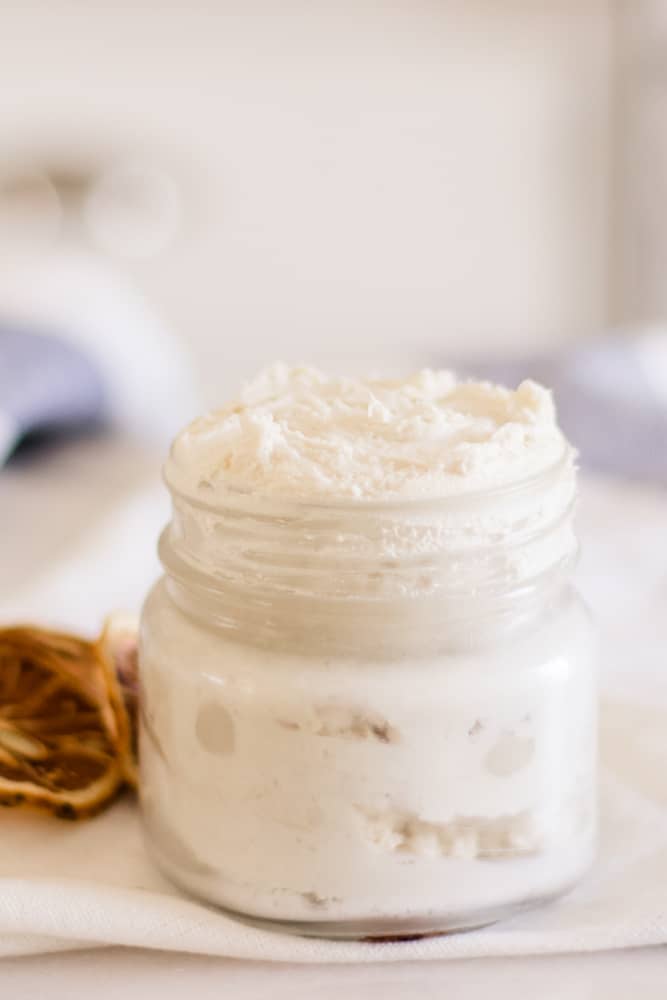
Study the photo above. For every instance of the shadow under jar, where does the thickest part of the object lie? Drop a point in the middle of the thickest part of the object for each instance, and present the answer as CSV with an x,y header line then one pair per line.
x,y
373,718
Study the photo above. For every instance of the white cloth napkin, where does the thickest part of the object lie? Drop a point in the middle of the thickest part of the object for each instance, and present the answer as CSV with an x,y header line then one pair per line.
x,y
68,886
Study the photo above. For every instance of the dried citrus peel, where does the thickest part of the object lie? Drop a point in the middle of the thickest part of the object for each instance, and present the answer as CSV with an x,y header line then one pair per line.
x,y
65,734
117,646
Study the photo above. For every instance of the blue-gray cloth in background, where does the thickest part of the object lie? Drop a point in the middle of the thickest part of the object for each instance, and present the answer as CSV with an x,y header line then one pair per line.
x,y
47,385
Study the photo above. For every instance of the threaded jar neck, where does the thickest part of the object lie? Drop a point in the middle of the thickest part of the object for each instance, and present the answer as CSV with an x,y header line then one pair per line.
x,y
283,567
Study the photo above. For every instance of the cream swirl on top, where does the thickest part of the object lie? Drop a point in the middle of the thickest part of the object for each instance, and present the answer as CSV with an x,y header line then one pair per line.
x,y
299,433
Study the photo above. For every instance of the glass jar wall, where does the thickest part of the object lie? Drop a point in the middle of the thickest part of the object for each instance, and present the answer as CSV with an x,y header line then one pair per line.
x,y
372,719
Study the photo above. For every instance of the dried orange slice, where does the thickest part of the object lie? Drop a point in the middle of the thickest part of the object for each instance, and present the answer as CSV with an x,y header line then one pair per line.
x,y
64,732
118,645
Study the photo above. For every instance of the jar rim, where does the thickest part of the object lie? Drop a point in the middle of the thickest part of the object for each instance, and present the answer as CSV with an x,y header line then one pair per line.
x,y
231,493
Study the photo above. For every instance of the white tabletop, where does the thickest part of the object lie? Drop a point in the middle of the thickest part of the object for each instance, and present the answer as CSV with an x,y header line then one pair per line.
x,y
115,974
75,486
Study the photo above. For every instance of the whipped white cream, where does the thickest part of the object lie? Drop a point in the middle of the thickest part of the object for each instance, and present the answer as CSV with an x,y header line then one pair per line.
x,y
295,432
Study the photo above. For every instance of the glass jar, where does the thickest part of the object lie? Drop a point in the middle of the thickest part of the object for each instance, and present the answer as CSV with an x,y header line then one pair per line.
x,y
370,719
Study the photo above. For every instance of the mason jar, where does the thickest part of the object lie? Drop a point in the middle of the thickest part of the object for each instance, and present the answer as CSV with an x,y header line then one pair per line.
x,y
369,719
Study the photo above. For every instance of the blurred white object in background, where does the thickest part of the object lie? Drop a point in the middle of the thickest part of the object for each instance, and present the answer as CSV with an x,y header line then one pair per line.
x,y
78,296
68,223
31,209
133,209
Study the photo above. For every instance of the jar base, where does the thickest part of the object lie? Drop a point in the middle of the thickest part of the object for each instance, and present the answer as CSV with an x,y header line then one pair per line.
x,y
385,931
371,929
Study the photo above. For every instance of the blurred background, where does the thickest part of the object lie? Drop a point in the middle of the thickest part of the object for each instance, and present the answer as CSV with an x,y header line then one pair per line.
x,y
322,180
189,190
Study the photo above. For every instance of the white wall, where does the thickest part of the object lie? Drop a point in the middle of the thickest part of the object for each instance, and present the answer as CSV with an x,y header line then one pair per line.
x,y
640,162
364,178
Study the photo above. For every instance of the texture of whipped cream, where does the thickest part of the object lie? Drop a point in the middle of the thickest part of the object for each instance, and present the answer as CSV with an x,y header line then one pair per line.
x,y
298,433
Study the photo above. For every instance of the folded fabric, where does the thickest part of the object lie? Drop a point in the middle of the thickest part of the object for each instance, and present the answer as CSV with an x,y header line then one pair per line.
x,y
68,886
